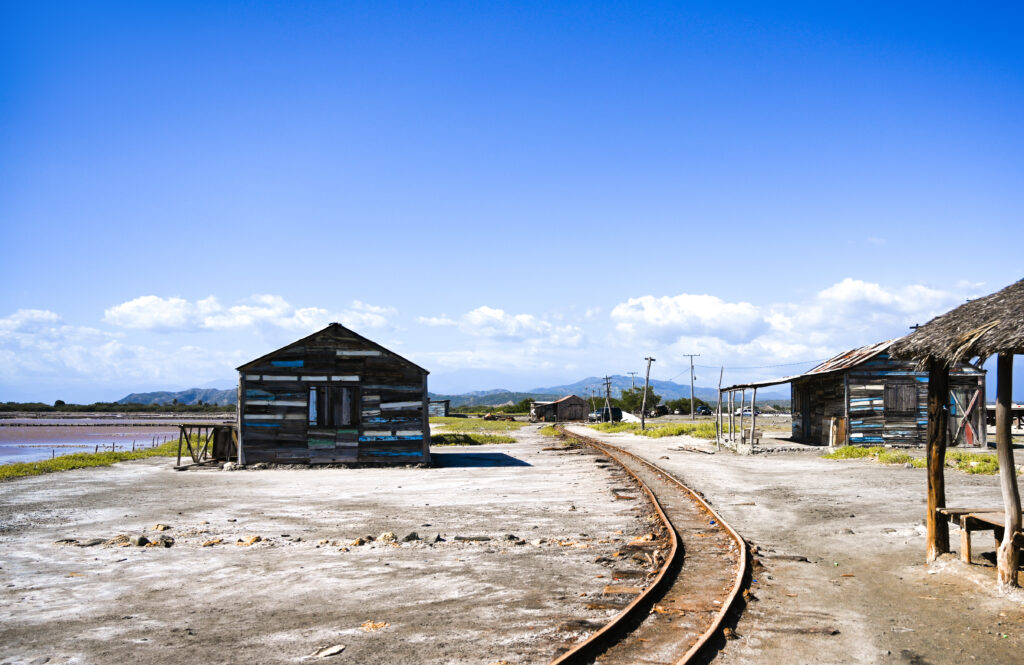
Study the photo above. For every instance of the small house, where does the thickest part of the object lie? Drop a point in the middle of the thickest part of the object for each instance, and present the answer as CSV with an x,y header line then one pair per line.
x,y
863,396
333,397
567,408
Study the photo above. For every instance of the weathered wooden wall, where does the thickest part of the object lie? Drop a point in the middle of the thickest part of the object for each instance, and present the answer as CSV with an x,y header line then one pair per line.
x,y
387,416
816,400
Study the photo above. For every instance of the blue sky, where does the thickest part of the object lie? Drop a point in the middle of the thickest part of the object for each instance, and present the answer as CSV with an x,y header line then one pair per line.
x,y
511,195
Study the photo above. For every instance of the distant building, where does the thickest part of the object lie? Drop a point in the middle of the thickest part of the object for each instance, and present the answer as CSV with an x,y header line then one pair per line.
x,y
862,396
439,408
567,408
334,396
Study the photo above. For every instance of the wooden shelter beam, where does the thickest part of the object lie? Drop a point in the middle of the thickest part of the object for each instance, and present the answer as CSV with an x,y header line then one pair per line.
x,y
938,430
1007,554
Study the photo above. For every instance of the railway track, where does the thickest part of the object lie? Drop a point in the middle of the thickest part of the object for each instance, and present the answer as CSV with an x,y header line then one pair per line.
x,y
677,618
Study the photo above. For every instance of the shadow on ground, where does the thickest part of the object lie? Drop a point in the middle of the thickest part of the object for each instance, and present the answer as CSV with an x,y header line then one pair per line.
x,y
474,459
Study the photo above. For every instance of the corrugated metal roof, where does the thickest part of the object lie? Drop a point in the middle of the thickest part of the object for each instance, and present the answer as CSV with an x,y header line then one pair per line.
x,y
850,358
837,363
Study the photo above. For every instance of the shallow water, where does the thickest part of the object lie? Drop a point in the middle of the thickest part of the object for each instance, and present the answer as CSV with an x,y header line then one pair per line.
x,y
35,453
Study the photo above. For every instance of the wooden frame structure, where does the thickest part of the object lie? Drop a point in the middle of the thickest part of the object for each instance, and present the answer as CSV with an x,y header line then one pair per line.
x,y
214,442
981,328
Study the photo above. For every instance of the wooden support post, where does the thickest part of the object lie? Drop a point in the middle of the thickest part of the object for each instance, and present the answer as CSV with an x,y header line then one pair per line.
x,y
938,431
718,415
1007,555
753,417
965,540
179,446
743,403
732,417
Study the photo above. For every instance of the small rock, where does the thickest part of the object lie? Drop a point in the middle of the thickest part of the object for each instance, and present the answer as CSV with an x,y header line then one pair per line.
x,y
729,633
387,537
92,542
439,539
66,541
357,542
411,536
537,541
572,507
228,466
165,541
138,541
511,536
232,520
260,465
324,652
160,527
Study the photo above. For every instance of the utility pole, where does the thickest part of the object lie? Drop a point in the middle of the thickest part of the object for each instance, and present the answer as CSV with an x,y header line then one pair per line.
x,y
608,398
693,406
643,404
632,380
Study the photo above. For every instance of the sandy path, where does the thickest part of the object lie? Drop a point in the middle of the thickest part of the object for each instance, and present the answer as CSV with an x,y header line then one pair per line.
x,y
282,598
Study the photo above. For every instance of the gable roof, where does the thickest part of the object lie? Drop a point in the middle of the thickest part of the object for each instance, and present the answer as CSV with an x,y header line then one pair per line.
x,y
332,326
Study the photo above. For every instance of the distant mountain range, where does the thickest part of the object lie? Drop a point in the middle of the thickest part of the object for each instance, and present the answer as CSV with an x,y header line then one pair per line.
x,y
667,389
191,396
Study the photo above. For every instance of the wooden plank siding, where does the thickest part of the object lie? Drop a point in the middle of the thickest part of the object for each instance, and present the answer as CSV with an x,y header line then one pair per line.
x,y
376,401
886,402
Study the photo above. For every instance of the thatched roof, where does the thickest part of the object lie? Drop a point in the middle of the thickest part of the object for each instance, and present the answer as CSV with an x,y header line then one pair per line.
x,y
982,327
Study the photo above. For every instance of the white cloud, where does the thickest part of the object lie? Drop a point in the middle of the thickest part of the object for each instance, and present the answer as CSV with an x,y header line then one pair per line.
x,y
177,314
37,344
669,317
844,315
436,321
498,325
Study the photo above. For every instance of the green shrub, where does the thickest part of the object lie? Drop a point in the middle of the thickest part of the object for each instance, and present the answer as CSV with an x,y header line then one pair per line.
x,y
974,463
549,430
466,439
477,425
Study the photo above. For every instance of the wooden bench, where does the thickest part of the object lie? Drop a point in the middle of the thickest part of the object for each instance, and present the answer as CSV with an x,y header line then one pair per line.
x,y
978,519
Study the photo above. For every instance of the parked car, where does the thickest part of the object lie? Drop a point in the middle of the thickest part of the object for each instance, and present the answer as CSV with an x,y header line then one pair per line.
x,y
746,411
703,410
603,415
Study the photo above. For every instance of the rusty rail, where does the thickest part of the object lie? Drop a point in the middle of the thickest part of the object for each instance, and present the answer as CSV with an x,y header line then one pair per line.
x,y
618,627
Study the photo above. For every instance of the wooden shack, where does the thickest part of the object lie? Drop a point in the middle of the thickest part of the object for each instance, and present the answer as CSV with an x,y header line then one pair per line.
x,y
334,396
567,408
862,396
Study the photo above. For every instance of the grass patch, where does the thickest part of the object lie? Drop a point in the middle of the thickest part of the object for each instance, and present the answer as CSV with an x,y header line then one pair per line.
x,y
549,430
468,439
477,425
974,463
703,430
84,460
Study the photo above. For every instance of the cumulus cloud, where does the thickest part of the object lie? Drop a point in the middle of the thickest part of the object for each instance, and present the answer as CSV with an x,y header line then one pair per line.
x,y
844,315
38,344
669,317
497,325
178,314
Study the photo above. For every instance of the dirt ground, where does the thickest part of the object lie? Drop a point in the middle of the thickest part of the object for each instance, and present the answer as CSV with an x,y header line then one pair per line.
x,y
864,593
303,586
